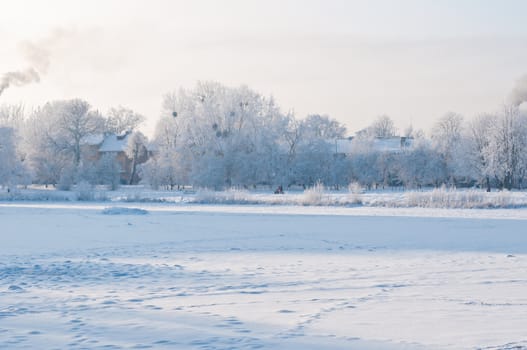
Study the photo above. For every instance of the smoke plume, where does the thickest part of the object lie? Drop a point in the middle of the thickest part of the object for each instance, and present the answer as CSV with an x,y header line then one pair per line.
x,y
19,78
519,92
37,56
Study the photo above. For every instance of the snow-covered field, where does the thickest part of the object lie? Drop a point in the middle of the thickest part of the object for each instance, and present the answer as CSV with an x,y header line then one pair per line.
x,y
175,276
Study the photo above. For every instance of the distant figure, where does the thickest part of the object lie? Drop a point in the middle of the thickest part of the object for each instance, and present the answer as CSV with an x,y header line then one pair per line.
x,y
279,190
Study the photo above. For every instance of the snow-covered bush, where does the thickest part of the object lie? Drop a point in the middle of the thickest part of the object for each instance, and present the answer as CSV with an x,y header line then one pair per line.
x,y
355,193
503,199
85,191
230,196
315,195
452,198
67,179
109,171
150,173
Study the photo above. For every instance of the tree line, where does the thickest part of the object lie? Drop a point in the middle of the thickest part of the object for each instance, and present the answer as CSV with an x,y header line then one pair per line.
x,y
218,137
50,145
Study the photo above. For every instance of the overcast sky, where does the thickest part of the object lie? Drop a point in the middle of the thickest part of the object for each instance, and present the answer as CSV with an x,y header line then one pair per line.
x,y
354,60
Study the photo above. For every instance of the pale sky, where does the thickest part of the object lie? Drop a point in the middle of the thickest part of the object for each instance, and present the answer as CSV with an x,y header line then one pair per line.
x,y
354,60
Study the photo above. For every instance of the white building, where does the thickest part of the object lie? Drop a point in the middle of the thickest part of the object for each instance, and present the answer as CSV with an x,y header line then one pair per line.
x,y
393,144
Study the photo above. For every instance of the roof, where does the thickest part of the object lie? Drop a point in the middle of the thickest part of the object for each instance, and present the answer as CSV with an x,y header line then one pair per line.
x,y
92,139
114,143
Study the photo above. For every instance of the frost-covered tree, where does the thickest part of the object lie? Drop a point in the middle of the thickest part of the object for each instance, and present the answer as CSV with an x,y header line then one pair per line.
x,y
446,136
120,120
12,168
321,127
163,170
474,144
222,136
506,148
314,162
386,165
420,165
12,116
370,166
169,166
108,171
76,120
382,127
55,134
137,152
311,151
363,167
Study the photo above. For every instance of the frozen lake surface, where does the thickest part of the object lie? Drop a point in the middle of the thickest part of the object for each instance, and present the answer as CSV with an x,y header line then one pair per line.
x,y
98,276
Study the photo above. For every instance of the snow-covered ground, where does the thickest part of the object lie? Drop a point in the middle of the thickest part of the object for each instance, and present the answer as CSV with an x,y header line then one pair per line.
x,y
317,196
176,276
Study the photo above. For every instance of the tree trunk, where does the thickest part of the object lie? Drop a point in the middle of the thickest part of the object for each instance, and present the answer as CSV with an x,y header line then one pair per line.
x,y
134,166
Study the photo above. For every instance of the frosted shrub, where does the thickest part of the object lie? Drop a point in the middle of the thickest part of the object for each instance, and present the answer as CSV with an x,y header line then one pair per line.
x,y
440,198
355,190
237,196
452,198
437,198
503,199
205,195
230,196
412,199
314,195
85,191
474,197
67,179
